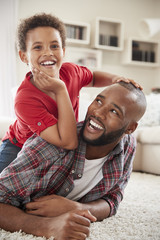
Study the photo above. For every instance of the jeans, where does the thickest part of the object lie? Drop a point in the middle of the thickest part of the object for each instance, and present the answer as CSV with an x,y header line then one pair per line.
x,y
8,152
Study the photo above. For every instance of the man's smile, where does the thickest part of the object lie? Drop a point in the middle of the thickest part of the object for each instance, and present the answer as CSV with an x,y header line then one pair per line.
x,y
94,125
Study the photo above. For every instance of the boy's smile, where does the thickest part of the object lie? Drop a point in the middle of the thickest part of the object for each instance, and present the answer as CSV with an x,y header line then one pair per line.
x,y
44,50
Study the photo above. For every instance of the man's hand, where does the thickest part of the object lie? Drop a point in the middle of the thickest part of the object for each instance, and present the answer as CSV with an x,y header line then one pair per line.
x,y
72,225
51,206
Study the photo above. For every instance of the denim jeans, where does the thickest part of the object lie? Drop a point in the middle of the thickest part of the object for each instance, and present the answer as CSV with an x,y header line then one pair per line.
x,y
8,152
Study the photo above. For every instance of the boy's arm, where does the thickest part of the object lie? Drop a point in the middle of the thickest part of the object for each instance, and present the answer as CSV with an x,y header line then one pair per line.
x,y
103,79
64,133
13,219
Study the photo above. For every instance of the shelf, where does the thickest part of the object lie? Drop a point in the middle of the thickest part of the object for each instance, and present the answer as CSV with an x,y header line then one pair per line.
x,y
77,32
108,34
85,57
140,52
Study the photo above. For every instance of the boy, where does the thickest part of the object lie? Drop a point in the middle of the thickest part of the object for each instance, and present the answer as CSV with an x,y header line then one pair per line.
x,y
41,43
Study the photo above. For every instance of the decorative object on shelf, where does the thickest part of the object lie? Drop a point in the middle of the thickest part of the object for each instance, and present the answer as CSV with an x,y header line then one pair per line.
x,y
77,32
140,52
149,27
108,40
141,55
108,34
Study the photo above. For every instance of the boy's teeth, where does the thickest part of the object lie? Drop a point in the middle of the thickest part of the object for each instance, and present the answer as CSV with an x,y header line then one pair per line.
x,y
93,124
47,63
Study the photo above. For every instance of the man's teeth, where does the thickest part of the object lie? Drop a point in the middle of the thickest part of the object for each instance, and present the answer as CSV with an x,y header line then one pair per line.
x,y
95,125
47,63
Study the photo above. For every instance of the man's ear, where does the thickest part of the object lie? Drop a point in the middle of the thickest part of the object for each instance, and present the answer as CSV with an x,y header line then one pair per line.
x,y
23,57
131,128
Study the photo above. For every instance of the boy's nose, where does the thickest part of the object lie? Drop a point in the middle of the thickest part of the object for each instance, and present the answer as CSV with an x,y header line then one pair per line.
x,y
48,52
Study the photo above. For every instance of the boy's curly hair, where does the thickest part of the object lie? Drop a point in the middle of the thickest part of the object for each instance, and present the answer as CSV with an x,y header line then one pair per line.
x,y
39,20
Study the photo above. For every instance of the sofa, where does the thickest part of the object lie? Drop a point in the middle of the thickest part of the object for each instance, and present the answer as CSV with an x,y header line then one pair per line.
x,y
147,158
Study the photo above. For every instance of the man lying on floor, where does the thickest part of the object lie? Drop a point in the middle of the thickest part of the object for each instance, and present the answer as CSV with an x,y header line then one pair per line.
x,y
49,191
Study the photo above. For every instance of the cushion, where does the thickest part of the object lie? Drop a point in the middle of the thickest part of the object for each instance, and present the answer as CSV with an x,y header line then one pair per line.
x,y
148,135
152,114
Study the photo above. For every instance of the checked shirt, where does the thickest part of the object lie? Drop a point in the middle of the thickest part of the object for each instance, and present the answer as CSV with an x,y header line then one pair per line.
x,y
43,169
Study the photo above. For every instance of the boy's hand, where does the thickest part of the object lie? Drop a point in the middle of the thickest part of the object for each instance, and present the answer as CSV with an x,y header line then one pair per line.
x,y
51,206
127,80
46,83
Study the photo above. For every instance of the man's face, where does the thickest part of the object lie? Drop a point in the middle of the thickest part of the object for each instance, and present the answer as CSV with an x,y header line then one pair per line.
x,y
108,116
44,50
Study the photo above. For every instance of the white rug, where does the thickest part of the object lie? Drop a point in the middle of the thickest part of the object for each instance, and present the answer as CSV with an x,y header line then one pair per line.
x,y
138,217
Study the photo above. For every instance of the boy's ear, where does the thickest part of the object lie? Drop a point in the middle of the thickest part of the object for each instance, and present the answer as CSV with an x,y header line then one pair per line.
x,y
23,57
64,51
131,128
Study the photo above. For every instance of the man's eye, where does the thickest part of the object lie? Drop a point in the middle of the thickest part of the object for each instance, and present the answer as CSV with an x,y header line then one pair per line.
x,y
114,111
99,101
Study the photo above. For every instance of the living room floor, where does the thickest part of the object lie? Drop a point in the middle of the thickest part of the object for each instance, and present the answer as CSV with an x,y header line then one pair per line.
x,y
138,217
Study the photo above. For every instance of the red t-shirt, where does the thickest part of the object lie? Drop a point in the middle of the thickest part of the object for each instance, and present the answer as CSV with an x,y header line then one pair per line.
x,y
36,111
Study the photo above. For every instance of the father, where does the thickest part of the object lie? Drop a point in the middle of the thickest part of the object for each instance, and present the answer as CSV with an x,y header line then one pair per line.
x,y
49,191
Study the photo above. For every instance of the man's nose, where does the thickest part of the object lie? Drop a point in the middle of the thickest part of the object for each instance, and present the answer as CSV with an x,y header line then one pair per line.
x,y
100,113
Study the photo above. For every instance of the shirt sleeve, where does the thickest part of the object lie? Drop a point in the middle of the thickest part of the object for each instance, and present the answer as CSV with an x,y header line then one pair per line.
x,y
115,195
85,75
34,111
29,174
76,74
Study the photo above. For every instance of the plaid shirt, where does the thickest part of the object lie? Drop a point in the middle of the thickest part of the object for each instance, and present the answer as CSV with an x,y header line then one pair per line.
x,y
42,169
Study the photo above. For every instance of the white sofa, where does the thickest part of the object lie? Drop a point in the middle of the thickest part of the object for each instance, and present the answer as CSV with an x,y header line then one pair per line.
x,y
147,157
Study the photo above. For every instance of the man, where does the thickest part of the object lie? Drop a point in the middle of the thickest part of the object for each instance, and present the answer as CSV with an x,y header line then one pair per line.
x,y
83,184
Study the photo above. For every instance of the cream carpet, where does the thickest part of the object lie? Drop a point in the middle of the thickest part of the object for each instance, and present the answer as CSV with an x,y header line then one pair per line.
x,y
138,217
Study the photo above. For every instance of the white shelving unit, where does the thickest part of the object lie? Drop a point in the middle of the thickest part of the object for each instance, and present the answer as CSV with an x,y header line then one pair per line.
x,y
108,34
140,52
77,32
85,57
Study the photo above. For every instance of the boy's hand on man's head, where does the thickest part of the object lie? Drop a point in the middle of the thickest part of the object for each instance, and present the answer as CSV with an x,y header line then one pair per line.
x,y
127,80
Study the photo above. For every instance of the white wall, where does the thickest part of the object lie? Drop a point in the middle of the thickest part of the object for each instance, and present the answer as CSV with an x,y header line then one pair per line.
x,y
129,11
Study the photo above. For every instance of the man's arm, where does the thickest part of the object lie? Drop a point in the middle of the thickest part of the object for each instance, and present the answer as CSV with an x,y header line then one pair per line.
x,y
73,224
54,205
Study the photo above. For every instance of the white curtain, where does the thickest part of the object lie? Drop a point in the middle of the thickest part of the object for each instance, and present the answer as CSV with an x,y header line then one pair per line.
x,y
8,12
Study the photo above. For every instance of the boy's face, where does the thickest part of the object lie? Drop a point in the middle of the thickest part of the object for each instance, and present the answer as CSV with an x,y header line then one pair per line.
x,y
44,50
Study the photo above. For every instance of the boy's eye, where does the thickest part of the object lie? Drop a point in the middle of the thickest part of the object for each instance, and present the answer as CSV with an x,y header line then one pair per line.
x,y
54,46
37,47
